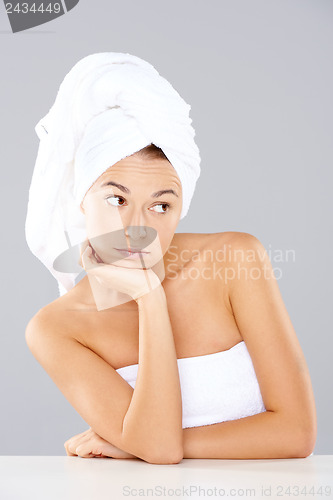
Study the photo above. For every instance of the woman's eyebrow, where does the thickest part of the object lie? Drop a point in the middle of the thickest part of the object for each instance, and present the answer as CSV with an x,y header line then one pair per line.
x,y
126,190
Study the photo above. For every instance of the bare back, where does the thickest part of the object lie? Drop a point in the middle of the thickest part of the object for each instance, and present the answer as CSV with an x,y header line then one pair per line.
x,y
198,304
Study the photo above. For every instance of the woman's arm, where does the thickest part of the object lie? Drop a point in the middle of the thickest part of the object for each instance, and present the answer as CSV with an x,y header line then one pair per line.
x,y
144,422
288,427
153,420
262,436
155,413
265,435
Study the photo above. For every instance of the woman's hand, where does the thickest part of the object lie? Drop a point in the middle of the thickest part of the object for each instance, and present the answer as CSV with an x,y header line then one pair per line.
x,y
133,282
88,444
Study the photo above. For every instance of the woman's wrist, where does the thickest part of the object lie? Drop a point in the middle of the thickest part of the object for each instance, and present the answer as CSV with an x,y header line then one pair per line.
x,y
157,293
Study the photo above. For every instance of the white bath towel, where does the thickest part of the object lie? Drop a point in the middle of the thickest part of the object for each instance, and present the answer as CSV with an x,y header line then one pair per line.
x,y
215,387
108,106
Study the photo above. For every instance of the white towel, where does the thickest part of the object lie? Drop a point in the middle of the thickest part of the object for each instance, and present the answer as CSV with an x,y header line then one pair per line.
x,y
215,387
108,106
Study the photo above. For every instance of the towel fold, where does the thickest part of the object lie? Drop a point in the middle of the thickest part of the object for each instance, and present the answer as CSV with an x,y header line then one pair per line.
x,y
109,106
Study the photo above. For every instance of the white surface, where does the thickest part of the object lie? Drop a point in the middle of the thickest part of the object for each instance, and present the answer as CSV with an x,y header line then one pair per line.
x,y
63,477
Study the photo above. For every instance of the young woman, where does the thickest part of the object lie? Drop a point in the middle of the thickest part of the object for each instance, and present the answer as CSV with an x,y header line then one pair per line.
x,y
173,345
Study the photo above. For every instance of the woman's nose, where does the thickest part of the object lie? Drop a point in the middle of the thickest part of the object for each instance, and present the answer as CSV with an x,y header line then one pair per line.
x,y
135,232
135,227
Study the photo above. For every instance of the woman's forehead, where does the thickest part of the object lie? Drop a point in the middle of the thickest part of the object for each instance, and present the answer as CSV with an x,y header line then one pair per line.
x,y
149,170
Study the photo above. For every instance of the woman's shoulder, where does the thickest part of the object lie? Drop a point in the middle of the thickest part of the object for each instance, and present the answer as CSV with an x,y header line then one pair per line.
x,y
55,317
226,240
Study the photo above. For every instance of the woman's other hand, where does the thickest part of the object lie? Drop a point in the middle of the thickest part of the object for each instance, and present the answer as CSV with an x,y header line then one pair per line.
x,y
88,444
133,282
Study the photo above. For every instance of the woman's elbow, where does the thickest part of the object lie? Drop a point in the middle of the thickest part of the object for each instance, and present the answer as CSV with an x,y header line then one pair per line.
x,y
165,458
306,443
307,446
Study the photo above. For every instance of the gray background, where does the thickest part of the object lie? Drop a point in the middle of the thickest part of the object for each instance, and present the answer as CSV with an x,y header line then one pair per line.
x,y
258,75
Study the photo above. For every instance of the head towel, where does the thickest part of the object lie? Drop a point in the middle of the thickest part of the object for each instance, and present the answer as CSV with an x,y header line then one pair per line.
x,y
109,106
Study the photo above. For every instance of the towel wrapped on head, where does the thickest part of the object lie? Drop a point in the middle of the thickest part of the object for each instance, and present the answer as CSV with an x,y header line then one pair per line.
x,y
109,106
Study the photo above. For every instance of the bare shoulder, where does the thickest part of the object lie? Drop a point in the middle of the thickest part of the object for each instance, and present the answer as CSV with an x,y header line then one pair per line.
x,y
53,318
229,247
241,254
201,240
236,245
236,239
222,240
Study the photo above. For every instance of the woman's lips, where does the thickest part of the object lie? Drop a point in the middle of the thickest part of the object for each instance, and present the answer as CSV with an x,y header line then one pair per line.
x,y
131,253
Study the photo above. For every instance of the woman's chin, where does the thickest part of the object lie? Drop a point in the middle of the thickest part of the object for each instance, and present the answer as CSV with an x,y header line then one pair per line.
x,y
123,262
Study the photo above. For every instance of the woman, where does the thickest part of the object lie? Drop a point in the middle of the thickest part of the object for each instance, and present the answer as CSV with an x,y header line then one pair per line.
x,y
184,348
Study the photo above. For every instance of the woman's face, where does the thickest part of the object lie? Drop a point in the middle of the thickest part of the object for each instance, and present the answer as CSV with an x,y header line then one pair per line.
x,y
127,208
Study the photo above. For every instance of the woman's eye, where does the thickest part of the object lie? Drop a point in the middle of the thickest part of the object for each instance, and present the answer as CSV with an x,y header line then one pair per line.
x,y
163,205
114,198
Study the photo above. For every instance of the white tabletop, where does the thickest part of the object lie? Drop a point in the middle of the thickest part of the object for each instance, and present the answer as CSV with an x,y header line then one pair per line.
x,y
64,477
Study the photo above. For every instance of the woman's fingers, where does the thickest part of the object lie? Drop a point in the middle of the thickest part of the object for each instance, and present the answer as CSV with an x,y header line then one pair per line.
x,y
84,451
88,260
87,447
87,250
72,443
69,454
77,436
83,246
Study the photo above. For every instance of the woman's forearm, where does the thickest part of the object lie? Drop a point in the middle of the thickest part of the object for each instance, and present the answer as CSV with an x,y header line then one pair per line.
x,y
152,425
264,435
